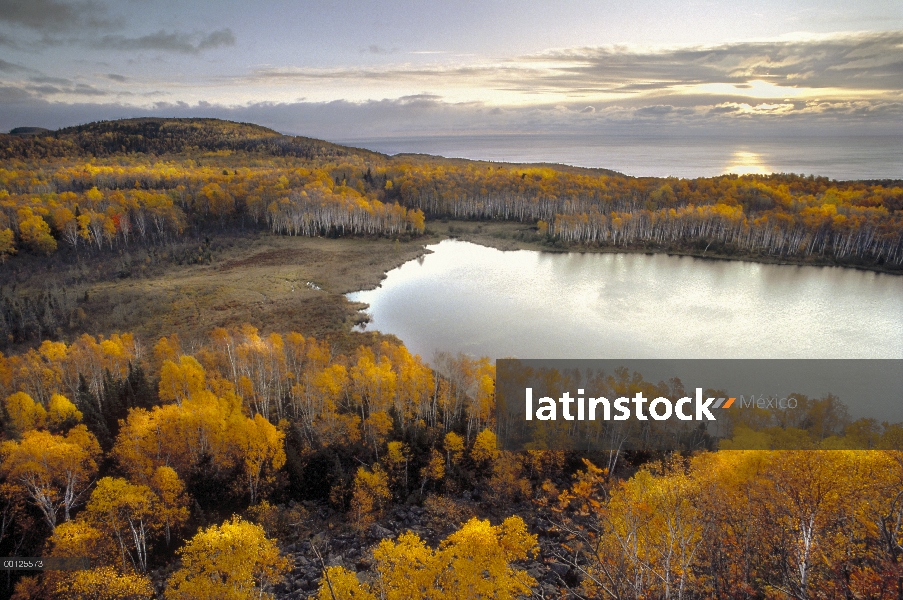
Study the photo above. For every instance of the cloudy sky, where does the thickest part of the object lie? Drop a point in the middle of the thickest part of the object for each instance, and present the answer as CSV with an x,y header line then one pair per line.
x,y
364,69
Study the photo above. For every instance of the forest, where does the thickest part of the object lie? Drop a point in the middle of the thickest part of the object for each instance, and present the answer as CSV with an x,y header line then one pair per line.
x,y
160,463
261,462
110,185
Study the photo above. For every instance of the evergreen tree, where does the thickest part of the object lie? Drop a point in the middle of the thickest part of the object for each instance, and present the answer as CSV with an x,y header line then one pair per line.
x,y
113,407
139,390
91,414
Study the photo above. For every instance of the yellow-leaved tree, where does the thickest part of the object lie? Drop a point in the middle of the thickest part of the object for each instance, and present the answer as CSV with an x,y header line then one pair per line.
x,y
7,243
55,471
24,413
473,563
35,232
454,448
105,583
232,561
434,470
371,492
172,507
398,454
203,427
262,446
62,414
182,380
127,513
485,448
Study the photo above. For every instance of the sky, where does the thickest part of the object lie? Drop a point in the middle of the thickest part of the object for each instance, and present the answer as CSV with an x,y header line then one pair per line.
x,y
362,69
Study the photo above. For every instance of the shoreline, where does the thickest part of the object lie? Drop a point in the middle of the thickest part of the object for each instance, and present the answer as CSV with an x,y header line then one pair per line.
x,y
282,283
276,283
492,232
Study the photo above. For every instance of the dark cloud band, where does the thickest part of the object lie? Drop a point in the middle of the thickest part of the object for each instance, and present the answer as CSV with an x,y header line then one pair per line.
x,y
167,42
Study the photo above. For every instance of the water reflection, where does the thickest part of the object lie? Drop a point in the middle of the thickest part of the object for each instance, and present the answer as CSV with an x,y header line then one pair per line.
x,y
747,163
481,301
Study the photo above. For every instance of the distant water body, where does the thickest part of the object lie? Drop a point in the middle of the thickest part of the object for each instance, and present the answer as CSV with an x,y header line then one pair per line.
x,y
837,157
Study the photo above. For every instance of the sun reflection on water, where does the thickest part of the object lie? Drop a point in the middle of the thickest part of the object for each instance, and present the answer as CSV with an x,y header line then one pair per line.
x,y
743,162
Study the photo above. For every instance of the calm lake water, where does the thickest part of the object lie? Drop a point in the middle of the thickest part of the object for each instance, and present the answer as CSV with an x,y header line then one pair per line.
x,y
837,157
468,298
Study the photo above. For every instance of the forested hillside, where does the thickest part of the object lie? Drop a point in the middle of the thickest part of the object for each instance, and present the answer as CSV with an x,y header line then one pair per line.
x,y
163,136
145,181
137,456
265,462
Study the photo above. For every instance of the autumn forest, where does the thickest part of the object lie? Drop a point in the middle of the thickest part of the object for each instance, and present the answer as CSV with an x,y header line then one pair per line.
x,y
247,461
109,185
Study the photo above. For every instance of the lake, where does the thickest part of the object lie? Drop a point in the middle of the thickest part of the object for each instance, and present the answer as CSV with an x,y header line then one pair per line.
x,y
837,156
463,297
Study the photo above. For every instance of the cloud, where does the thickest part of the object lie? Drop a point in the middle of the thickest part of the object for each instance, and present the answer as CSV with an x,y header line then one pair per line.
x,y
223,37
872,61
374,49
53,16
44,90
80,23
430,116
390,74
654,111
167,42
841,82
838,68
9,67
8,42
48,79
12,95
427,115
41,87
429,99
82,89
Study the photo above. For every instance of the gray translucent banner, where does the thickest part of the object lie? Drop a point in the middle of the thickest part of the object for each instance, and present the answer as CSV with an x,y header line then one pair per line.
x,y
52,563
684,405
